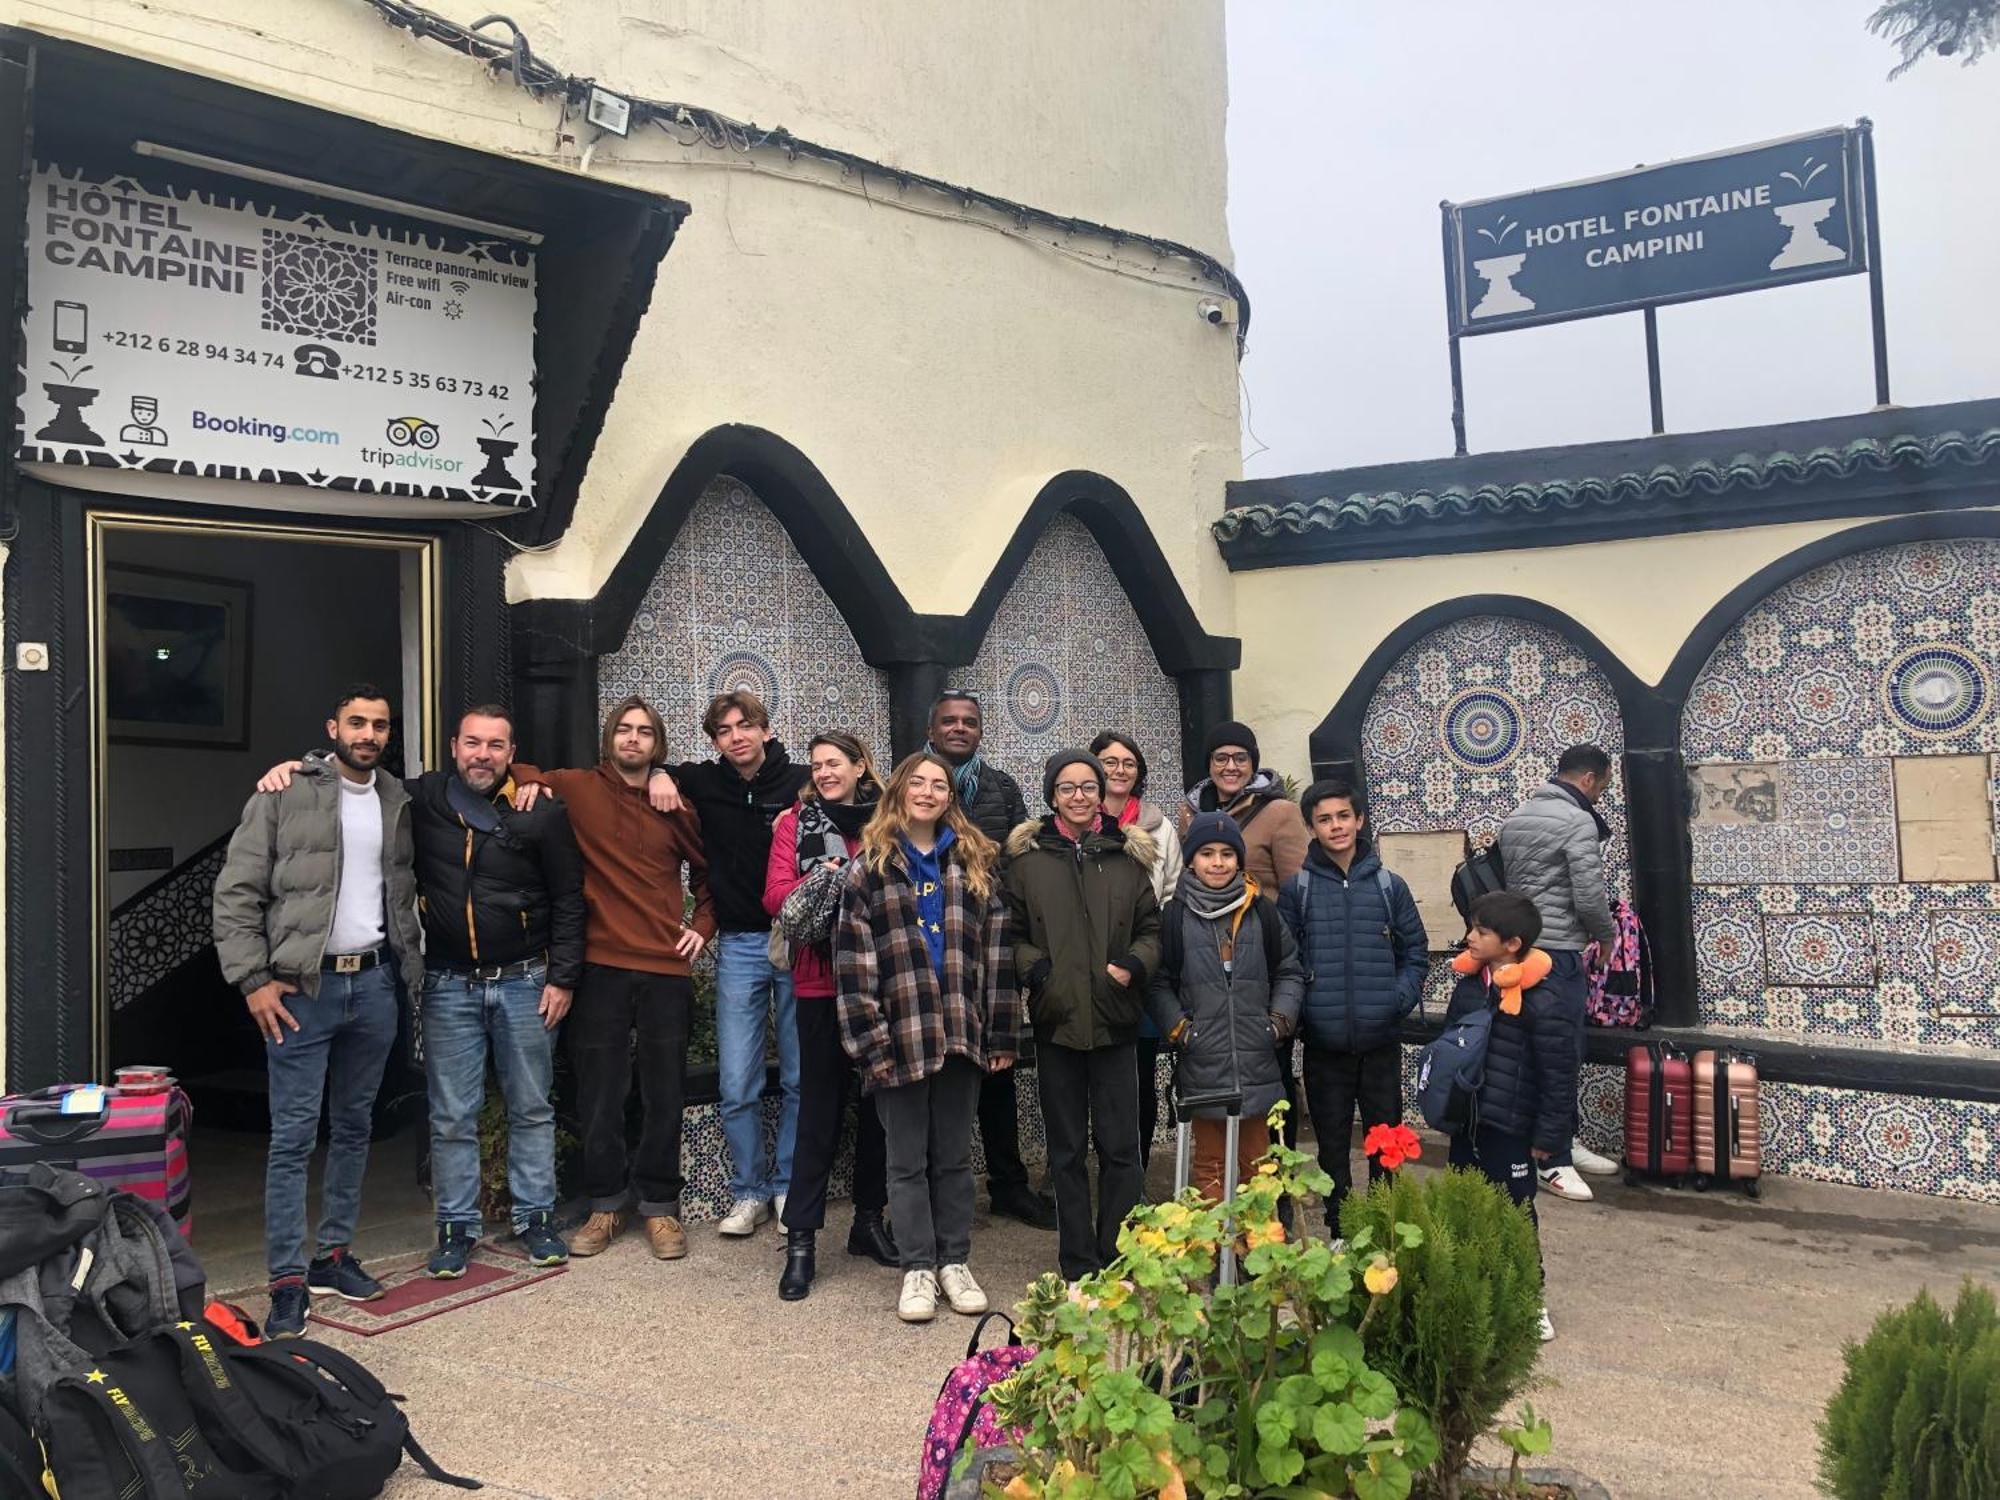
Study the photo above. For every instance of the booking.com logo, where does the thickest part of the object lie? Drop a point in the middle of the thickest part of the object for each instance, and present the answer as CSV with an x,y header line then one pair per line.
x,y
277,432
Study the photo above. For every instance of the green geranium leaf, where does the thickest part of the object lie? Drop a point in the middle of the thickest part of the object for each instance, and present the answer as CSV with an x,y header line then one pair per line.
x,y
1330,1372
1274,1425
1420,1443
1299,1390
1279,1465
1342,1340
1339,1428
1372,1395
1411,1235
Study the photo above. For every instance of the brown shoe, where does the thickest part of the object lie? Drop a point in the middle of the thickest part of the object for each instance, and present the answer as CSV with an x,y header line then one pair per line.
x,y
598,1231
669,1240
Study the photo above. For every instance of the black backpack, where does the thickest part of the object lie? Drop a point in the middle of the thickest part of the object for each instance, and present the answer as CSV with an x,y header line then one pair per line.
x,y
1480,874
1173,941
183,1413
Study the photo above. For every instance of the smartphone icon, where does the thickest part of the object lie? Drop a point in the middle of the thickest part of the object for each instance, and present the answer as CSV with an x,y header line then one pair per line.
x,y
72,327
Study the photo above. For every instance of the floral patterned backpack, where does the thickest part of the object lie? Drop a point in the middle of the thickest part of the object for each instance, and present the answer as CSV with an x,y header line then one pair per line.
x,y
1622,993
962,1410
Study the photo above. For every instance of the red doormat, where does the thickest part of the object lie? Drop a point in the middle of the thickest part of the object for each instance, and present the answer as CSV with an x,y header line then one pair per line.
x,y
411,1296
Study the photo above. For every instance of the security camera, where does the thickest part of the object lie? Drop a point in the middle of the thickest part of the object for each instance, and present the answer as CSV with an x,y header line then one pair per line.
x,y
1211,311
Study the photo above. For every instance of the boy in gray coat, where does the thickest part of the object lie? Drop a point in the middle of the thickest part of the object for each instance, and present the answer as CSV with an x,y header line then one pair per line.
x,y
1227,989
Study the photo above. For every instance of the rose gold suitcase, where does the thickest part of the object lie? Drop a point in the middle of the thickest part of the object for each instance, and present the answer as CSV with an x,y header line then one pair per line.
x,y
1727,1140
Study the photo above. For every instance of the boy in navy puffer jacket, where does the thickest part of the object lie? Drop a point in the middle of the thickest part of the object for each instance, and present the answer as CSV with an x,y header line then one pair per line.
x,y
1531,1067
1366,955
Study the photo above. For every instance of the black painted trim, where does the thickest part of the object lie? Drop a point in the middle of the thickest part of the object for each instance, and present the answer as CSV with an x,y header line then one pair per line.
x,y
1747,595
1922,1075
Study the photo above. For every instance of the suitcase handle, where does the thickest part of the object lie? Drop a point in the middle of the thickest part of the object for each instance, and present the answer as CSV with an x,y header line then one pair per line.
x,y
1229,1101
39,1118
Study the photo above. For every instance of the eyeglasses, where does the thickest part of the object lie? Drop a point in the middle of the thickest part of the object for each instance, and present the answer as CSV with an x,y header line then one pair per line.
x,y
1075,788
951,693
1230,758
1117,763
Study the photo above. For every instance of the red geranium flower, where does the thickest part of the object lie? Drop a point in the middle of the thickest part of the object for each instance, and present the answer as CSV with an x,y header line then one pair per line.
x,y
1392,1145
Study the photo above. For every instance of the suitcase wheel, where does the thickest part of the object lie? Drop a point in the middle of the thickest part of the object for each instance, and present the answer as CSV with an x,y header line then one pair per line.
x,y
1701,1181
1633,1179
1753,1187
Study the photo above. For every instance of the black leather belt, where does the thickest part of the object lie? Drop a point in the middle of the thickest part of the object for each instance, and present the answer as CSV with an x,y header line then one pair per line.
x,y
488,973
353,963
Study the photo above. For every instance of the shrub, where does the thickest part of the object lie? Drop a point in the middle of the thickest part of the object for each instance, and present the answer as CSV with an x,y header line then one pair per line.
x,y
1917,1416
1149,1383
1459,1335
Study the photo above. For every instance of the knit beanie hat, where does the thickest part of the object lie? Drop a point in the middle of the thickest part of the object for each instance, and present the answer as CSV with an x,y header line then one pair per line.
x,y
1053,767
1212,828
1231,733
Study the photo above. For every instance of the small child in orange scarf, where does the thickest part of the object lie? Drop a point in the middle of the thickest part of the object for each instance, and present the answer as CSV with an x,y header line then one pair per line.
x,y
1530,1057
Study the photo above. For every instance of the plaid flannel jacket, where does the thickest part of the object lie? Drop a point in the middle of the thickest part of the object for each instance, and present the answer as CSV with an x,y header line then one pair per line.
x,y
897,1021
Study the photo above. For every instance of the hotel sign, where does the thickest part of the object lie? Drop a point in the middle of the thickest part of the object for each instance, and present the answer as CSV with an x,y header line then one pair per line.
x,y
190,333
1788,211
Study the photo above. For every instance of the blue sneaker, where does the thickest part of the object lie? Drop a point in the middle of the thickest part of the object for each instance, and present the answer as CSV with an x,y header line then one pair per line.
x,y
454,1249
339,1274
539,1238
287,1319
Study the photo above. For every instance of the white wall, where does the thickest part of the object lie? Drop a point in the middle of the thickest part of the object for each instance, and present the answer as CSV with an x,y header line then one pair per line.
x,y
937,371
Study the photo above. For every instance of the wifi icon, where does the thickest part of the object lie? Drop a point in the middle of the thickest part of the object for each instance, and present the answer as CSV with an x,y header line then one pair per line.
x,y
461,287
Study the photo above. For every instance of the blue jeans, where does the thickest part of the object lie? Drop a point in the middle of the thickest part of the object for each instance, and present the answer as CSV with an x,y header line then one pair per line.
x,y
336,1056
1569,980
462,1019
747,990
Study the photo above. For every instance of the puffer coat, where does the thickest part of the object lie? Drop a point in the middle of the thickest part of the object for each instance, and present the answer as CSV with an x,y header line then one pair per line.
x,y
275,896
1228,1043
1531,1062
1074,908
1365,951
1552,855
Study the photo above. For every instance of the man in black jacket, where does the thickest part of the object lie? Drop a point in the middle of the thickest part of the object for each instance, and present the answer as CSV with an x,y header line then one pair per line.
x,y
502,900
737,797
992,799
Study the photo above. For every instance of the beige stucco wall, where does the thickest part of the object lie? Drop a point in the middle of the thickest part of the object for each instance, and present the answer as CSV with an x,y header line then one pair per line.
x,y
936,370
1307,631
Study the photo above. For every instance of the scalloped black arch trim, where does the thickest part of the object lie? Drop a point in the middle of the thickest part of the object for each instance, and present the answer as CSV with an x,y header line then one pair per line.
x,y
1337,738
1931,526
888,631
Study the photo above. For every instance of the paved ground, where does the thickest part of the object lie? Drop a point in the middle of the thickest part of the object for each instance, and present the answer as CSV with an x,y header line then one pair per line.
x,y
1699,1339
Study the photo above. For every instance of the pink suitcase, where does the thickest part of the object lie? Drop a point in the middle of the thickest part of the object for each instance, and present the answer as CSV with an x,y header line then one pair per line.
x,y
136,1141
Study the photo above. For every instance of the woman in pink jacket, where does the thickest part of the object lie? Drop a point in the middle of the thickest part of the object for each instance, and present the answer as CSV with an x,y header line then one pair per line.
x,y
825,830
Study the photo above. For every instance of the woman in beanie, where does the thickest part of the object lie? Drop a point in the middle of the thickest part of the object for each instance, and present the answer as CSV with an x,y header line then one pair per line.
x,y
1086,940
927,1006
1229,985
813,842
1275,837
1124,793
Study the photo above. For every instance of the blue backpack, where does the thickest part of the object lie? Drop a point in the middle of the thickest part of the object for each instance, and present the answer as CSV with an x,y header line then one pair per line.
x,y
1450,1071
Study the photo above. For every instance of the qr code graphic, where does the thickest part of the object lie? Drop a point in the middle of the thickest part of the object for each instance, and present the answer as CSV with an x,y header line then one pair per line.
x,y
319,289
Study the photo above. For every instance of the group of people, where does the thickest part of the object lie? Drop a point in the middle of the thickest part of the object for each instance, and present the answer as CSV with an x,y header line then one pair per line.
x,y
909,938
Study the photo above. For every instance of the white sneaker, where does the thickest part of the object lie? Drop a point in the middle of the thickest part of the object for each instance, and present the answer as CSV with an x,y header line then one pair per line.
x,y
1548,1328
1586,1160
918,1303
961,1291
744,1215
1564,1183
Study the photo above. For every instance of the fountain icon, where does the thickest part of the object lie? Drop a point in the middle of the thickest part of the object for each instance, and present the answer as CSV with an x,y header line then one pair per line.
x,y
68,424
1498,272
498,450
1805,245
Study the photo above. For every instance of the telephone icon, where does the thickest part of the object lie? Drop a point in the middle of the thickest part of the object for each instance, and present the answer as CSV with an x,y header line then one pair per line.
x,y
316,360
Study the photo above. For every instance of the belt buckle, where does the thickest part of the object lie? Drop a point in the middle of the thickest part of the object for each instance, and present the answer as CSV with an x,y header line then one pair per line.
x,y
347,963
489,973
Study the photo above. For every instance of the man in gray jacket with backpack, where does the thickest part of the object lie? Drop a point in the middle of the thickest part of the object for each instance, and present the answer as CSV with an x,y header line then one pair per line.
x,y
1551,852
315,916
1366,956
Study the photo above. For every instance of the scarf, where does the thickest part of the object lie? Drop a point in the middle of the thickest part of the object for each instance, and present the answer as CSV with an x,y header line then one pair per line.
x,y
1202,796
1130,813
964,778
927,877
824,827
1209,904
1603,828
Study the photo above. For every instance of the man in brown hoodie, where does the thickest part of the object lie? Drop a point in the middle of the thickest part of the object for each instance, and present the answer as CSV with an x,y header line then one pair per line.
x,y
639,944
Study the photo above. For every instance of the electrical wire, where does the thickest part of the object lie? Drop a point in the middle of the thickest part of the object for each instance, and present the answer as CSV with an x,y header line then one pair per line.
x,y
693,125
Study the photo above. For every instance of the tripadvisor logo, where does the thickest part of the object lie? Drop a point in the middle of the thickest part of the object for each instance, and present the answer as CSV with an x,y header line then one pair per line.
x,y
412,439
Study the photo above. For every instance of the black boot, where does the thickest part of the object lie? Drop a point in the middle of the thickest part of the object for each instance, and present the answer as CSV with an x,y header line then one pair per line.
x,y
797,1279
871,1237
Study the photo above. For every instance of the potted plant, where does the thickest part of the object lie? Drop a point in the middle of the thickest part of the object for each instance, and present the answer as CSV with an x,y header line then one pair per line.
x,y
1152,1380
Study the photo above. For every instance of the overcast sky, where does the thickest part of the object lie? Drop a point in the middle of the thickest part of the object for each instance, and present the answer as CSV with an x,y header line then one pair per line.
x,y
1349,122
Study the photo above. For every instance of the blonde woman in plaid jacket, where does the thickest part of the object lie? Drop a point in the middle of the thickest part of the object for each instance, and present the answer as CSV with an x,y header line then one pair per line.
x,y
927,1007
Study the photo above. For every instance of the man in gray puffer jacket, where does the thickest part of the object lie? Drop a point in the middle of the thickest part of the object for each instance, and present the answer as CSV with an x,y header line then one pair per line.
x,y
317,902
1551,851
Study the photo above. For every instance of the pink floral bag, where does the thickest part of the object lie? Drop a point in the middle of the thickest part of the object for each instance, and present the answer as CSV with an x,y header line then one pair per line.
x,y
1621,992
962,1410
